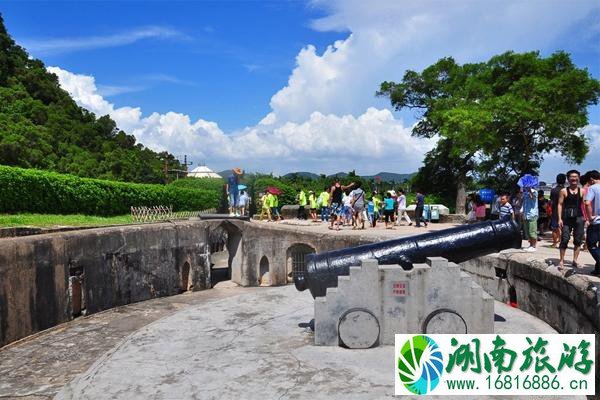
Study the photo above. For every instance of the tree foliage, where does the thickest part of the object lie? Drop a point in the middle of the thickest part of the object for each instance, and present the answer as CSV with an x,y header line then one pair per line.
x,y
42,127
503,115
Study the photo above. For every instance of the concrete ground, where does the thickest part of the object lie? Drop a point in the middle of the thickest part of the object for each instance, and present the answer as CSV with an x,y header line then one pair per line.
x,y
225,343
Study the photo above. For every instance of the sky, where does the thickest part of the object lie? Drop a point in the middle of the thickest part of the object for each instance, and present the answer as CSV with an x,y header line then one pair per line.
x,y
280,86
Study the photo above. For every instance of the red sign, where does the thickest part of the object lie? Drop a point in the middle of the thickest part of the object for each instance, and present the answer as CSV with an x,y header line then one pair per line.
x,y
399,289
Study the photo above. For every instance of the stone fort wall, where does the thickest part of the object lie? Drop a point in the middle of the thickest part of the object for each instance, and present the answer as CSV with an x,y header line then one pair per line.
x,y
41,276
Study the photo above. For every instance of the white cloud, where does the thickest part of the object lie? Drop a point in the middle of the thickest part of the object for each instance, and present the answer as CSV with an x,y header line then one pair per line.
x,y
326,118
328,143
66,45
387,37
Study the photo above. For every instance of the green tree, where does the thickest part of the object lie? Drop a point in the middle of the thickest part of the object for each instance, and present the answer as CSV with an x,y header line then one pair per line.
x,y
42,127
509,111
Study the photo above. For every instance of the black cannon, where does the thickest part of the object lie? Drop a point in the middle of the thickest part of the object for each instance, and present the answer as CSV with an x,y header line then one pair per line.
x,y
455,244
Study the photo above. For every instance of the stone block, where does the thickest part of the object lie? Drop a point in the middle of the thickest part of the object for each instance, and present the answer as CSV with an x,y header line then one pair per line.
x,y
374,302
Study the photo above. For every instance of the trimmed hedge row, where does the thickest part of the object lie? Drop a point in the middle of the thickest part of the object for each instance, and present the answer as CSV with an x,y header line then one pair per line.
x,y
35,191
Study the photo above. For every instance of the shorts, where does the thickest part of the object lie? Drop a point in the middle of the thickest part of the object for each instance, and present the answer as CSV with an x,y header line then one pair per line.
x,y
313,210
358,208
233,199
388,215
574,226
274,211
337,209
531,230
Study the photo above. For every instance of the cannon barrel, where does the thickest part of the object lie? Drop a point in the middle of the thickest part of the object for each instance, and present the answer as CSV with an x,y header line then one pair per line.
x,y
455,244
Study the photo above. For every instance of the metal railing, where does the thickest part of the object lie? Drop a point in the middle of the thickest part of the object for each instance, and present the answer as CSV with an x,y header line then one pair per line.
x,y
163,213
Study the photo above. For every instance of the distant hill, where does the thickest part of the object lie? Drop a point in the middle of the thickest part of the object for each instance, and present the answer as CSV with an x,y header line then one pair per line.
x,y
225,173
302,174
391,177
385,176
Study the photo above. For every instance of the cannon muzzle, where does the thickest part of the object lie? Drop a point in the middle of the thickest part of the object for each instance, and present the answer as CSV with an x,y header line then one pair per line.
x,y
457,244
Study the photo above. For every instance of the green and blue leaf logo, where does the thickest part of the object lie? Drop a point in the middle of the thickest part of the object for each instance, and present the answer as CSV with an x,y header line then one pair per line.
x,y
420,364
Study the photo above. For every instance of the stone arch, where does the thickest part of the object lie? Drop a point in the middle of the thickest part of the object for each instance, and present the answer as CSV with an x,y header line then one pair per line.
x,y
264,276
185,278
225,249
295,259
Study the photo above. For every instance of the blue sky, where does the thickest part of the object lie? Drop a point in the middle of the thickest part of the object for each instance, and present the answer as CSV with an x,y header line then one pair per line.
x,y
223,61
285,85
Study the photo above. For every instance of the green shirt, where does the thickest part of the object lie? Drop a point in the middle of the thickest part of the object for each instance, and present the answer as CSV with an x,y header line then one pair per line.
x,y
312,200
302,198
376,202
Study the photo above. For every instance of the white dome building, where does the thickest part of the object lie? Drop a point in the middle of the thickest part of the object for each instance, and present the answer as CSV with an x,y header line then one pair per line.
x,y
202,172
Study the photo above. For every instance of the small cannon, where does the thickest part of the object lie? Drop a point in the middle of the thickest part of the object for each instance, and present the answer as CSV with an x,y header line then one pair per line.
x,y
455,244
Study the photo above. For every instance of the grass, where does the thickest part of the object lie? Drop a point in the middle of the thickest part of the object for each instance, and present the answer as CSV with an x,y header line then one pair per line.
x,y
54,220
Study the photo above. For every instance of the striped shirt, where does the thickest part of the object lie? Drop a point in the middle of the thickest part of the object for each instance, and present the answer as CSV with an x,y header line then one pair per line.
x,y
505,209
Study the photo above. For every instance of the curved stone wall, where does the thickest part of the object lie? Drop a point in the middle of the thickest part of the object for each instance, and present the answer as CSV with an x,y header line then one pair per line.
x,y
49,279
569,305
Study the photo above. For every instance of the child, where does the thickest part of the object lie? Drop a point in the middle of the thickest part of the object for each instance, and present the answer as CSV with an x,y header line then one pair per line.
x,y
479,209
506,209
371,213
388,211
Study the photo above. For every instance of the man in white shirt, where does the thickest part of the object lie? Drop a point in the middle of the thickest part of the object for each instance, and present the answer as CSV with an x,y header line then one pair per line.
x,y
592,205
402,208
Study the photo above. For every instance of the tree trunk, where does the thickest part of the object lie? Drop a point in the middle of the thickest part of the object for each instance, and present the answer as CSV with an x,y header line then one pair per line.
x,y
461,194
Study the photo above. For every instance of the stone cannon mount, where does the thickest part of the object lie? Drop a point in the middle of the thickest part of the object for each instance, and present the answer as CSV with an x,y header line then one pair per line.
x,y
374,302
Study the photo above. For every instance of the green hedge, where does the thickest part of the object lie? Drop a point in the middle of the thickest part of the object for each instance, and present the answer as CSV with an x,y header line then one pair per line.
x,y
35,191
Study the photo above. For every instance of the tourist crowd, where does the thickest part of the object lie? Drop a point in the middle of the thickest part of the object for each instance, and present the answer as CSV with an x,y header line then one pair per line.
x,y
572,211
349,205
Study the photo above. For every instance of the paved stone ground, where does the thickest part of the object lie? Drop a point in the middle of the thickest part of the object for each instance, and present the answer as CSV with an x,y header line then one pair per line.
x,y
233,343
246,347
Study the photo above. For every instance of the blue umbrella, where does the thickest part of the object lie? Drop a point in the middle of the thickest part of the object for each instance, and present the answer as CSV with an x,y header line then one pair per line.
x,y
528,181
242,187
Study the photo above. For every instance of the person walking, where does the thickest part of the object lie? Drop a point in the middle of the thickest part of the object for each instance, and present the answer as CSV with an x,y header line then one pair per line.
x,y
592,204
243,202
420,206
479,209
323,202
358,205
570,218
388,211
554,195
347,200
402,209
543,220
337,204
376,205
312,201
265,209
233,191
302,204
517,205
530,217
495,208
